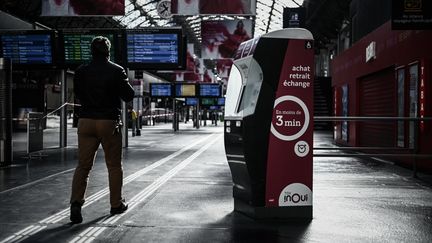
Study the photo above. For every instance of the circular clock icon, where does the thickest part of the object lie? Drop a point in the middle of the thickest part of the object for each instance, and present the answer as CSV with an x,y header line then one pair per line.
x,y
164,8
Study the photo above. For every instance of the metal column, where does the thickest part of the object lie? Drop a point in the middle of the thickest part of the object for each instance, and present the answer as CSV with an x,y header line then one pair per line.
x,y
6,154
63,110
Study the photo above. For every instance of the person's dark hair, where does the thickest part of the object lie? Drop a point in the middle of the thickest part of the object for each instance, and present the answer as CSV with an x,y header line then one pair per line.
x,y
100,47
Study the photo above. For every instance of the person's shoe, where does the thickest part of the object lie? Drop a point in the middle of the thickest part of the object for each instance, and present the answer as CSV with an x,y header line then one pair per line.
x,y
75,213
120,209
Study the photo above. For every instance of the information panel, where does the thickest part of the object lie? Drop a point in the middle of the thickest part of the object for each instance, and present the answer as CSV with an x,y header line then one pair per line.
x,y
221,101
185,90
155,49
160,90
191,101
27,49
209,101
210,90
77,46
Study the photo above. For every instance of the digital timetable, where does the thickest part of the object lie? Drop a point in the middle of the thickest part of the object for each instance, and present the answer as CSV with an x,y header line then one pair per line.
x,y
152,48
77,47
27,48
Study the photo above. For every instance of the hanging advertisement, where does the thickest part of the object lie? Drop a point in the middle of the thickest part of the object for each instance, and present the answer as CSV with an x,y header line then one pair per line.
x,y
220,39
223,67
83,7
213,7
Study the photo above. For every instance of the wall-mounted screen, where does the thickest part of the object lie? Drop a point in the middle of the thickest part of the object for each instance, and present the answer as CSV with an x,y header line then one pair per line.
x,y
76,45
155,49
209,90
185,90
29,49
160,90
191,101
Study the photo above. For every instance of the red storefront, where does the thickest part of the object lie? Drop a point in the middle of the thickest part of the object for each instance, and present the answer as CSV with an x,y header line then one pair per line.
x,y
386,73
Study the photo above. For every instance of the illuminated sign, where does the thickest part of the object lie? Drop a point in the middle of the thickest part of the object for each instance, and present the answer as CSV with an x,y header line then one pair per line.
x,y
77,46
155,49
185,90
209,90
27,48
160,90
191,101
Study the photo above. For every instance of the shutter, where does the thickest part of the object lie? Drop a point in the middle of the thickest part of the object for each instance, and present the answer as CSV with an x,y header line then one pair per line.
x,y
378,98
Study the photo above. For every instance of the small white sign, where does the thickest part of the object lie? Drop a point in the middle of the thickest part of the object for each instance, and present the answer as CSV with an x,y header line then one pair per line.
x,y
301,148
295,194
370,51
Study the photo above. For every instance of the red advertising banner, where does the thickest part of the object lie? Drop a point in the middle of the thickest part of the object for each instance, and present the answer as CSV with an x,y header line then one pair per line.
x,y
220,39
83,7
213,7
290,152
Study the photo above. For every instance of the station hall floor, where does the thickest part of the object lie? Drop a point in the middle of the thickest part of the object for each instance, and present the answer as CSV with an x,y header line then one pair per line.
x,y
179,189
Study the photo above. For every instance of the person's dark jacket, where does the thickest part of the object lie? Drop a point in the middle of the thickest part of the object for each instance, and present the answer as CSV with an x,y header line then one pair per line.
x,y
100,86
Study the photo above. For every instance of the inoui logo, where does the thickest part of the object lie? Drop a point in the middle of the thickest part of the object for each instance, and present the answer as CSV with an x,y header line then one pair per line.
x,y
295,194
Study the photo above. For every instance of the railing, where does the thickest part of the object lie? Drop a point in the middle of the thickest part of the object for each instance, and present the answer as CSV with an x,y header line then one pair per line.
x,y
414,150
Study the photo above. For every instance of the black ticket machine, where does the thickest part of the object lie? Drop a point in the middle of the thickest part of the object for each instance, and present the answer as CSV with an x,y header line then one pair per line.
x,y
269,125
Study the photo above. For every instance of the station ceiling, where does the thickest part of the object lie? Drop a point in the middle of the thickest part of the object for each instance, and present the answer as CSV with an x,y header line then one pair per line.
x,y
323,17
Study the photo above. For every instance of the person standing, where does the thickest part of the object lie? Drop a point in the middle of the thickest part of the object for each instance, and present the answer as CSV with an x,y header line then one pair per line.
x,y
100,86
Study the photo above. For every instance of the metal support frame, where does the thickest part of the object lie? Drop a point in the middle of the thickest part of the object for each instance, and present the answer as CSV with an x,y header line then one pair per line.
x,y
63,110
414,154
124,121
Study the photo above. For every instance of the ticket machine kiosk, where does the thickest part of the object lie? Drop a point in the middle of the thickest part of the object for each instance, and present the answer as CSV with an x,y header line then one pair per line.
x,y
269,127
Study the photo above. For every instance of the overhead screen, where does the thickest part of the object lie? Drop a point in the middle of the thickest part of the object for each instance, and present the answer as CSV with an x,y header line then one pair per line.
x,y
155,49
76,45
160,90
191,101
209,90
185,90
28,49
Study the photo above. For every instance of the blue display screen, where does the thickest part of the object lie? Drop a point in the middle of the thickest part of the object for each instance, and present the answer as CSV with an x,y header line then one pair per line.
x,y
152,48
27,48
221,101
210,90
191,101
160,90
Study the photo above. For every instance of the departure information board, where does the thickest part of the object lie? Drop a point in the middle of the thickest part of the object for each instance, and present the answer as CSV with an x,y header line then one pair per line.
x,y
77,47
160,90
191,101
210,90
152,48
209,101
27,49
185,90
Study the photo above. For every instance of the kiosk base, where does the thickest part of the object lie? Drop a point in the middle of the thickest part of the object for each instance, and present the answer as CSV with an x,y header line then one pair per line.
x,y
299,213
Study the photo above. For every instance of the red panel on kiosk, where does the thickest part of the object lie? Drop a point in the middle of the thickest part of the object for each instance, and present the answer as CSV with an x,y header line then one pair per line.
x,y
290,152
